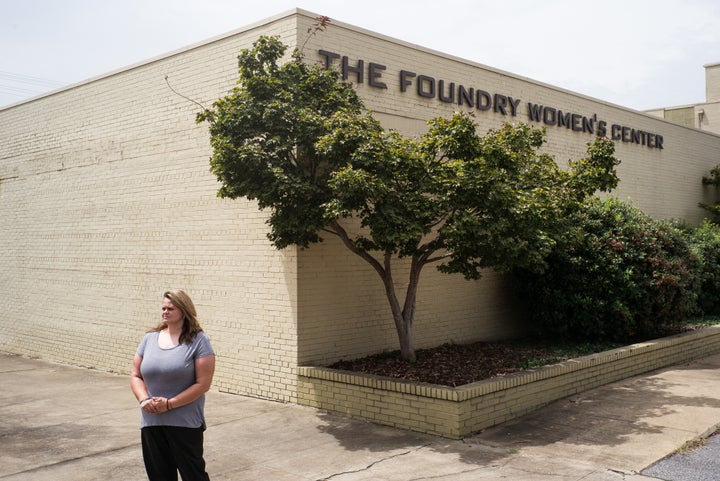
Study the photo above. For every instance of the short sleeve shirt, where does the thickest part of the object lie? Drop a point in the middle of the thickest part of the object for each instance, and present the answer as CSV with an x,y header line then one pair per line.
x,y
168,372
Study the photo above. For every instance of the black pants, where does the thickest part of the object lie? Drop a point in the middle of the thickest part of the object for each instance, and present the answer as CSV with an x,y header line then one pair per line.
x,y
169,449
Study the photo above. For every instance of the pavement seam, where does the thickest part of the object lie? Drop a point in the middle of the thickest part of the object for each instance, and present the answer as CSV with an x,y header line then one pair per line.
x,y
69,461
450,475
16,370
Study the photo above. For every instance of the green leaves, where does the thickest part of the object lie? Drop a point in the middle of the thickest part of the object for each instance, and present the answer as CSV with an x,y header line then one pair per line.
x,y
473,201
627,275
713,209
264,133
294,138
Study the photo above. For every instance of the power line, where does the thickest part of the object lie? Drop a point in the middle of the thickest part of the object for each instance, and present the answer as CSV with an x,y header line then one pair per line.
x,y
19,91
28,79
21,85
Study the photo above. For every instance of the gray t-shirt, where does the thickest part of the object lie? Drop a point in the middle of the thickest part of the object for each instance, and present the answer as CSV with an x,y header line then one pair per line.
x,y
168,372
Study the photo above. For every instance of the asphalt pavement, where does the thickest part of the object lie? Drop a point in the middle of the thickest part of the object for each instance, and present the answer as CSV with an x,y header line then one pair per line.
x,y
698,462
63,423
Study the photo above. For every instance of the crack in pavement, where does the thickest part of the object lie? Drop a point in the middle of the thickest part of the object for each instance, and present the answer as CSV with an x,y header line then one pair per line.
x,y
374,463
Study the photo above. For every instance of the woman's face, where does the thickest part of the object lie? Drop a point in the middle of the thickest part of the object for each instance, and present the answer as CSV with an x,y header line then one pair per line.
x,y
170,313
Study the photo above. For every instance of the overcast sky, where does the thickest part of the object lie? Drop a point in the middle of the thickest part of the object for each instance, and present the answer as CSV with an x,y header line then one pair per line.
x,y
640,54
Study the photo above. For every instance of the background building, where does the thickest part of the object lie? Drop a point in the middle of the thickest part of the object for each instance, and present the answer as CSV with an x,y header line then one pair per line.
x,y
106,200
704,116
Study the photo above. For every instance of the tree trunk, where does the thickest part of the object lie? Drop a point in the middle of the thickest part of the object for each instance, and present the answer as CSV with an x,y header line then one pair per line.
x,y
404,328
404,317
403,322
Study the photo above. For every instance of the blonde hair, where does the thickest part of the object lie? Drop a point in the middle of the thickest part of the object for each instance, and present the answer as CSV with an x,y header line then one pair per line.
x,y
191,325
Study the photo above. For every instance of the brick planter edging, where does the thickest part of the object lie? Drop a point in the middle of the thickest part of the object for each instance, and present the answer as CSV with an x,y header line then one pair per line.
x,y
459,411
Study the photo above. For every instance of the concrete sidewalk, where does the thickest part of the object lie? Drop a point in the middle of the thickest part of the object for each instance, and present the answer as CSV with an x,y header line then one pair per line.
x,y
65,423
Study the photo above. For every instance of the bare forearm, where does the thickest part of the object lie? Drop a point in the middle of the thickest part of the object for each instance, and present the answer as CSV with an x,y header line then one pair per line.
x,y
188,395
137,385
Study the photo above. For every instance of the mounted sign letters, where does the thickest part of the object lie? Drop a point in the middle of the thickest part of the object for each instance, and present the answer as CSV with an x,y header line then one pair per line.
x,y
450,92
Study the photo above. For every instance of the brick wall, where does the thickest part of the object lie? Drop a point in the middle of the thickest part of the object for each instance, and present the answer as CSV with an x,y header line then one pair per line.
x,y
458,412
106,201
342,308
665,183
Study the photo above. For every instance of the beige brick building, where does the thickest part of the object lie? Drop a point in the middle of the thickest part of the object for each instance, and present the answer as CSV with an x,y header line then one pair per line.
x,y
106,200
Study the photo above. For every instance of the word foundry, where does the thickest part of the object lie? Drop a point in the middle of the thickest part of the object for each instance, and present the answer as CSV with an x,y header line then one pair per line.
x,y
450,92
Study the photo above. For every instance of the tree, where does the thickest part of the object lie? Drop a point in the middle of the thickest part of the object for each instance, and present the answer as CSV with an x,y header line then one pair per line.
x,y
297,140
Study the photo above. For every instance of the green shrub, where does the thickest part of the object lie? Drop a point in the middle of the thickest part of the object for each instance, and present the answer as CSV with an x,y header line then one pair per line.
x,y
713,209
705,241
621,277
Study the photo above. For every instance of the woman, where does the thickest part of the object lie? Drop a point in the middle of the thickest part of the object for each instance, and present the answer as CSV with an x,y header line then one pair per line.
x,y
172,370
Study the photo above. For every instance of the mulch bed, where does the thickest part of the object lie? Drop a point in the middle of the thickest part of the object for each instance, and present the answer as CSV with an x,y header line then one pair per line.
x,y
455,365
452,365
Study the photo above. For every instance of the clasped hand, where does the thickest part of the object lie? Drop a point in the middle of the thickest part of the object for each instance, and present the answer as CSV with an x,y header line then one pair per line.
x,y
156,405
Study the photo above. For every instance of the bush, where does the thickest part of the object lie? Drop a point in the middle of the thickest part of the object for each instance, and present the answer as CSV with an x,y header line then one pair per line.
x,y
713,209
621,277
705,242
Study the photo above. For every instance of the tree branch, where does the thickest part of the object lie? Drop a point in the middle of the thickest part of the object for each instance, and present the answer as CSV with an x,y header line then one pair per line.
x,y
430,260
329,231
342,233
